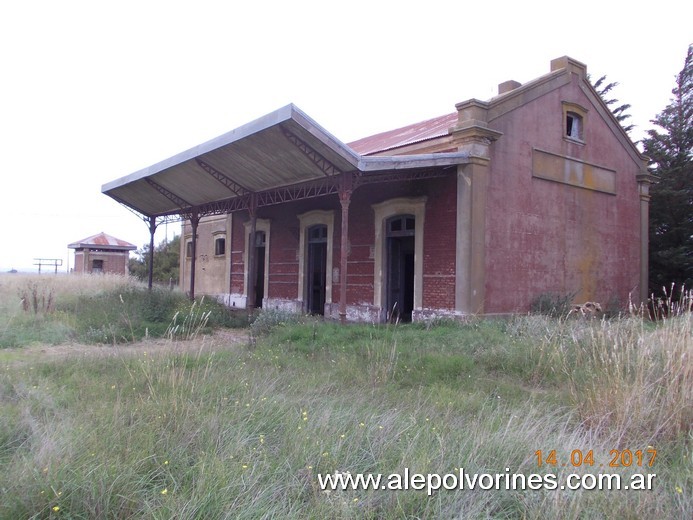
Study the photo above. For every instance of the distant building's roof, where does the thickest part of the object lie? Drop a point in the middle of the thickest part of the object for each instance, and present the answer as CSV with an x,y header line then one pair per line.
x,y
410,134
103,241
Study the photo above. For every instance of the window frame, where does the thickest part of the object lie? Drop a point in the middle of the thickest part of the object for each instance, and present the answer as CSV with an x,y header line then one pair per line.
x,y
579,114
219,236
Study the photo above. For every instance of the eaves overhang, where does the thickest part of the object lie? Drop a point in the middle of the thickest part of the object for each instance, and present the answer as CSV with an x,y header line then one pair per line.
x,y
280,150
405,162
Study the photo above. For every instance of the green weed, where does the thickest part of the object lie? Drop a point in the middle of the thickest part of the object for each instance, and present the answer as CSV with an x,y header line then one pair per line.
x,y
226,431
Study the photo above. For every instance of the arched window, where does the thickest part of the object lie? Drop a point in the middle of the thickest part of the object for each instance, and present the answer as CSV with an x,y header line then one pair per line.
x,y
574,119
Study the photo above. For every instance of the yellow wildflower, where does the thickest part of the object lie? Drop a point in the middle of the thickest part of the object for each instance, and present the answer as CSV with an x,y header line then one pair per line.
x,y
164,491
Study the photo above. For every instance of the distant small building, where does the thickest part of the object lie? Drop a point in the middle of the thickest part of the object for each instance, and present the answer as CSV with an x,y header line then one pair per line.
x,y
101,253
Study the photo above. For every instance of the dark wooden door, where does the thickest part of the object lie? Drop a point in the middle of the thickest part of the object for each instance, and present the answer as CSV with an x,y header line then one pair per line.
x,y
317,269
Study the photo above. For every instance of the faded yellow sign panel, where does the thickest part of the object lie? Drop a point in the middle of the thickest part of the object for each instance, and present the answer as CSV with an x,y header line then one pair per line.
x,y
566,170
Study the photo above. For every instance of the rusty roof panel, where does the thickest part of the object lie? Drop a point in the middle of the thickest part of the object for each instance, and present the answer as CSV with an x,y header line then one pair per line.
x,y
104,241
436,127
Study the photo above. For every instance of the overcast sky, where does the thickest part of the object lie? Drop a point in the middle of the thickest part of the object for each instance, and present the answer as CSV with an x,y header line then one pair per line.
x,y
92,91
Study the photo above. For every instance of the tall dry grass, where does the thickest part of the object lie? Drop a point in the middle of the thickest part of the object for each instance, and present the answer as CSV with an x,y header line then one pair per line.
x,y
634,381
13,287
227,431
99,309
32,307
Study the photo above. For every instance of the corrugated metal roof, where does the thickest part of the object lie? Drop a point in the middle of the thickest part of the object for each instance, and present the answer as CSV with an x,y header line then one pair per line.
x,y
422,131
103,240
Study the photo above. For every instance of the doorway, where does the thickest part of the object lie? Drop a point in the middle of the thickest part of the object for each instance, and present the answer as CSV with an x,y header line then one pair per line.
x,y
97,266
259,275
317,269
400,267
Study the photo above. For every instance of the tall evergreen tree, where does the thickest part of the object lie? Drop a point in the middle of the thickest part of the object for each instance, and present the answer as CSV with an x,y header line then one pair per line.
x,y
670,148
604,89
166,262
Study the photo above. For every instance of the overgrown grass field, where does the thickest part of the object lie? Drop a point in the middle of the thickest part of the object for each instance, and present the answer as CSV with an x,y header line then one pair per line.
x,y
222,429
99,309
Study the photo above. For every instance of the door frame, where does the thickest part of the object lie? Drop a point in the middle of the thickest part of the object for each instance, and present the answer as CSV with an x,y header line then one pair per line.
x,y
307,220
397,240
310,268
384,210
261,224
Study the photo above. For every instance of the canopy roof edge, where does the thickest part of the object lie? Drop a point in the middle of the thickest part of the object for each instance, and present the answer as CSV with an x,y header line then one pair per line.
x,y
283,148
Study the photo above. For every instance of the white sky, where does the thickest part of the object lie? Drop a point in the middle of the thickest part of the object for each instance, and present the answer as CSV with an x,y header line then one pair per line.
x,y
91,91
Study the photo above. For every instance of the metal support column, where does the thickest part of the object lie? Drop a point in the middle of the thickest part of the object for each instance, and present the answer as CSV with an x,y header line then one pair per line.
x,y
194,221
152,230
345,190
252,269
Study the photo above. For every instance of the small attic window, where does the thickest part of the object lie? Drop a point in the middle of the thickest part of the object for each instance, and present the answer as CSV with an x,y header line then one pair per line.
x,y
574,117
573,126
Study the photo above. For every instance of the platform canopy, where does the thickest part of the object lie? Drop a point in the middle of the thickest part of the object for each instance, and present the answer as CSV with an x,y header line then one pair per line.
x,y
280,157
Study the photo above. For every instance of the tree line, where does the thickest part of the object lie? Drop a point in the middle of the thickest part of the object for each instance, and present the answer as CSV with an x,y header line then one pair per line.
x,y
166,262
670,148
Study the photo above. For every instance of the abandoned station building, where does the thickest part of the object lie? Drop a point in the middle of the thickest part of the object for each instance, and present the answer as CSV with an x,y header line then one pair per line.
x,y
536,191
101,253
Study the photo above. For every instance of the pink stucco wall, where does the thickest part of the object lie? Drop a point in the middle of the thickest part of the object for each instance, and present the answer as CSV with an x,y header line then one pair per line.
x,y
547,237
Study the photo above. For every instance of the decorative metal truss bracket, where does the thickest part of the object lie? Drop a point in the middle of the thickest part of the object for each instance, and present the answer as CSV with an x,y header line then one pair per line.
x,y
306,190
182,203
329,185
147,218
326,166
223,178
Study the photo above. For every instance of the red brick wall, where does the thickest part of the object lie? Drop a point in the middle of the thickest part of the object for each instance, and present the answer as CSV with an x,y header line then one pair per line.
x,y
439,239
79,262
439,242
283,251
114,262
